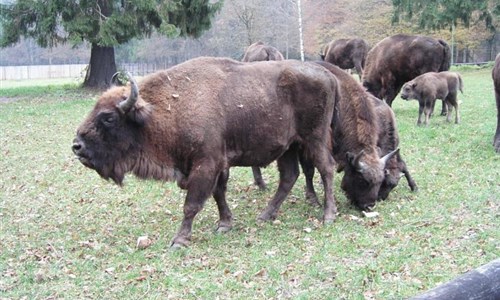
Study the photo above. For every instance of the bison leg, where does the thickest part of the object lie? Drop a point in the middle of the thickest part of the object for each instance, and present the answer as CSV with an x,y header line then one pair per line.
x,y
308,170
429,105
420,112
457,113
444,110
406,172
289,172
496,137
225,216
389,96
323,161
257,177
359,70
201,183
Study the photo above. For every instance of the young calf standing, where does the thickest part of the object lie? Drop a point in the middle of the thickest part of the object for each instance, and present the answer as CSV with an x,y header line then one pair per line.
x,y
430,86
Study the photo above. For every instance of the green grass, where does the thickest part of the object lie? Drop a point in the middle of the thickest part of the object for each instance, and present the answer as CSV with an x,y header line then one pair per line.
x,y
66,233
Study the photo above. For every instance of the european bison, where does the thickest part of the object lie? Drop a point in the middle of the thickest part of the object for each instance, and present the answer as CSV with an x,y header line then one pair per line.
x,y
430,86
364,129
496,83
346,54
260,52
388,139
194,121
400,58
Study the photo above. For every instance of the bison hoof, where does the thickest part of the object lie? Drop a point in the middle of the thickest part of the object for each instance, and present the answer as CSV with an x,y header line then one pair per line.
x,y
266,216
223,228
179,243
261,185
313,200
328,220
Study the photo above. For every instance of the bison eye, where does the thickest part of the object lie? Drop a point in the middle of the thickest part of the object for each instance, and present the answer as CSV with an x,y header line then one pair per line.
x,y
108,119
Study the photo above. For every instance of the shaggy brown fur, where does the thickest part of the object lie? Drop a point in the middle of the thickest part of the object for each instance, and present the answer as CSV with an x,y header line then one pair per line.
x,y
346,54
260,52
364,127
388,140
400,58
194,121
496,83
430,86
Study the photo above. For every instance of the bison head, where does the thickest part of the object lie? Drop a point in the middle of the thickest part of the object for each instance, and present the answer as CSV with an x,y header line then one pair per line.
x,y
109,138
408,90
363,177
391,180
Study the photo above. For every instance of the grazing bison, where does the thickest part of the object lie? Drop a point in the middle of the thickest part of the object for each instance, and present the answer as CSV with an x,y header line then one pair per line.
x,y
364,128
430,86
388,139
194,121
496,83
346,54
400,58
260,52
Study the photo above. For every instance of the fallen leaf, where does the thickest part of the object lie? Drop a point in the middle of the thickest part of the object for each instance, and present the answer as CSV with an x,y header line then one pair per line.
x,y
370,214
143,242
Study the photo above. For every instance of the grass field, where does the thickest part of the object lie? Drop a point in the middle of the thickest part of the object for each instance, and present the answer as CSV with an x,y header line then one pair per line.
x,y
66,233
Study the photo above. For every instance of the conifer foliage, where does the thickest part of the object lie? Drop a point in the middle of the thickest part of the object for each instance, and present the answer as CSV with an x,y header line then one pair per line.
x,y
103,24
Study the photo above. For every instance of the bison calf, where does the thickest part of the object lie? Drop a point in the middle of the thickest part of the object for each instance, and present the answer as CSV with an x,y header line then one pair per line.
x,y
430,86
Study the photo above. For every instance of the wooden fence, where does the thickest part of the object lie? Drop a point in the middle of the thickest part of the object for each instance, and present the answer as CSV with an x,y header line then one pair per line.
x,y
42,72
71,71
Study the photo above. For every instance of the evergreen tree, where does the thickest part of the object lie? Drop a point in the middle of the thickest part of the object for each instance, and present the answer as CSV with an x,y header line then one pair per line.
x,y
441,14
102,23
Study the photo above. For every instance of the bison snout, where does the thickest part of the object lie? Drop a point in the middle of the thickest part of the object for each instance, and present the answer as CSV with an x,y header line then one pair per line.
x,y
77,147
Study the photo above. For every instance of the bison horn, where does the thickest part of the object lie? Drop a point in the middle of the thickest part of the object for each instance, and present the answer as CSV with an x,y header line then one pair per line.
x,y
384,159
128,103
115,80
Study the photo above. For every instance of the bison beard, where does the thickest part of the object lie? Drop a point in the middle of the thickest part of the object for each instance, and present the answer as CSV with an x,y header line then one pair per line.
x,y
194,121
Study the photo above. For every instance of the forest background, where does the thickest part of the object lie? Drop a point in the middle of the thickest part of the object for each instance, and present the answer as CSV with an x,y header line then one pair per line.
x,y
242,22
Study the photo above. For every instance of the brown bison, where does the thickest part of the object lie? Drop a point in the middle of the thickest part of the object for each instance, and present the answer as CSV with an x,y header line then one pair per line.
x,y
260,52
364,128
430,86
496,83
346,54
192,122
388,139
400,58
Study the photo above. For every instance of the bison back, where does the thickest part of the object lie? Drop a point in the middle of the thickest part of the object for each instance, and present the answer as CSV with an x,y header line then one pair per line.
x,y
254,111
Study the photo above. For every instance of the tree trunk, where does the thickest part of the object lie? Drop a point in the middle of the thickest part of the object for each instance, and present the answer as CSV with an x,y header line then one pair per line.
x,y
101,68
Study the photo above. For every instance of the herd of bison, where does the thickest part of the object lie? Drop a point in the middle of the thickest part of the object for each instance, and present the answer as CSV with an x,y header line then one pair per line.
x,y
191,123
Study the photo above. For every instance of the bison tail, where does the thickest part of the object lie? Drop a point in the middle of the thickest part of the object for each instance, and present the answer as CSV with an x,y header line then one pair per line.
x,y
446,64
460,84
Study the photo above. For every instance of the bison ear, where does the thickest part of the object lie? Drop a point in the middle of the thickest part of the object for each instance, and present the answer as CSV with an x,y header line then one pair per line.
x,y
140,113
413,84
355,161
